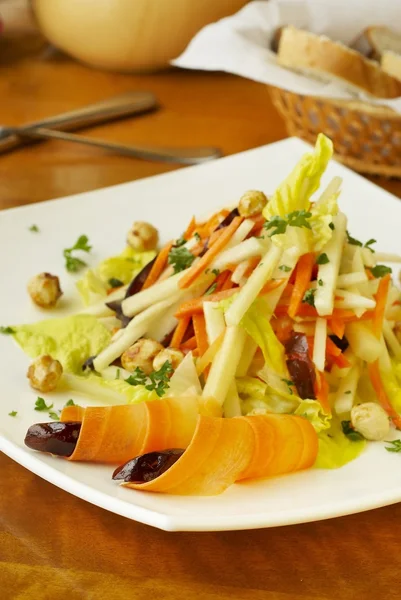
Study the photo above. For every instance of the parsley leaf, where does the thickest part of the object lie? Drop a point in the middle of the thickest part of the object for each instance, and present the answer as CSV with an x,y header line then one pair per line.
x,y
7,330
395,446
72,263
309,297
115,283
138,377
380,270
369,243
211,289
34,228
70,403
40,404
181,258
289,383
157,380
322,259
297,218
285,268
332,226
54,416
197,236
216,272
320,282
180,242
353,241
13,413
350,432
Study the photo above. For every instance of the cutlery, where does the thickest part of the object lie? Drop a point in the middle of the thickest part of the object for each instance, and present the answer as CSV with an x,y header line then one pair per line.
x,y
123,105
187,156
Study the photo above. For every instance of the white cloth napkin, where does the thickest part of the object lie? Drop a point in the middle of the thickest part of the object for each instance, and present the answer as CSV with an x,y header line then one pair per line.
x,y
240,44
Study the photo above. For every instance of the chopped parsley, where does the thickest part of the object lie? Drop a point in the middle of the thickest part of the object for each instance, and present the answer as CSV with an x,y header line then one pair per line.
x,y
197,236
380,270
181,258
285,268
354,242
115,283
289,383
216,272
34,228
180,242
320,282
309,297
157,380
40,404
72,263
350,432
211,289
332,226
7,330
347,392
297,218
70,403
395,446
118,374
54,416
13,413
322,259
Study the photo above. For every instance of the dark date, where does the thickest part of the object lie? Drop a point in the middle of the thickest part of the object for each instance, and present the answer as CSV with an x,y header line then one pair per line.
x,y
300,366
148,466
56,438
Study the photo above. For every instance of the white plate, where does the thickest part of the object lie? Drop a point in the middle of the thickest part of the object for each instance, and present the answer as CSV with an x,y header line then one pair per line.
x,y
168,201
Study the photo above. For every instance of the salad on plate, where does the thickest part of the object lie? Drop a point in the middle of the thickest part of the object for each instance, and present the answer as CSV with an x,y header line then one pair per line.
x,y
262,341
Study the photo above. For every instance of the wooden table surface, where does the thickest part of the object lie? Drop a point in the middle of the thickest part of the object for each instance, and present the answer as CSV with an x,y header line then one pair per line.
x,y
55,545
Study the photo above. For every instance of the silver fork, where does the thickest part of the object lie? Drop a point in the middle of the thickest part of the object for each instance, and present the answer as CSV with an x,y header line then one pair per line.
x,y
186,156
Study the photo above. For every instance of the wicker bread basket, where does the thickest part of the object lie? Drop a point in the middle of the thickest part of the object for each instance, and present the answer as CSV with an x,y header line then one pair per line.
x,y
366,137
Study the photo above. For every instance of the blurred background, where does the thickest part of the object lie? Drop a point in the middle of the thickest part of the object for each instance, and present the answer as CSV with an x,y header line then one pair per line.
x,y
60,55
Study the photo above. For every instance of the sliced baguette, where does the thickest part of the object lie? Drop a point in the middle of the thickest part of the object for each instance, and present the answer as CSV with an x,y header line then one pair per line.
x,y
375,40
319,57
391,63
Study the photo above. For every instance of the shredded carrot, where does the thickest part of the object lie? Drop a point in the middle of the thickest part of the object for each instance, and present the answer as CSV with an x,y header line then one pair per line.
x,y
198,321
207,258
206,229
302,281
331,348
369,274
190,344
341,361
221,279
179,332
322,392
375,378
381,301
195,306
259,221
228,284
271,285
209,355
253,263
158,266
190,229
337,326
283,328
214,236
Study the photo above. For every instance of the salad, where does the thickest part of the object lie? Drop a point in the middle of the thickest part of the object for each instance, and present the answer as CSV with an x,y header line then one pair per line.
x,y
262,341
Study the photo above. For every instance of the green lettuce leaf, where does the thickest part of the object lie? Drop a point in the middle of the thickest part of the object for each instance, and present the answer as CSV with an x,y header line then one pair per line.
x,y
256,323
71,340
295,192
95,283
258,397
312,410
335,449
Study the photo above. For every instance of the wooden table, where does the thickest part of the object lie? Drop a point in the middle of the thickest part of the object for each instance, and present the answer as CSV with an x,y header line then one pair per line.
x,y
53,545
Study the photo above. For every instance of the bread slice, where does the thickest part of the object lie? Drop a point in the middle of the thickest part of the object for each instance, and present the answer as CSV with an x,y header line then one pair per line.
x,y
319,57
391,63
376,40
